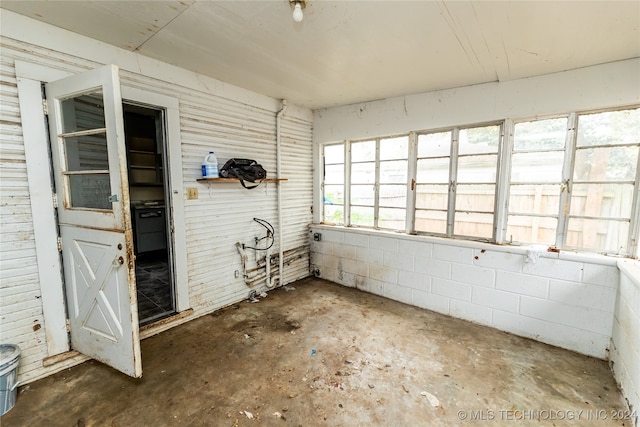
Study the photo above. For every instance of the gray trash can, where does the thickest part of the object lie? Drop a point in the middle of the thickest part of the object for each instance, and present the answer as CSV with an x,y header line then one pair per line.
x,y
9,359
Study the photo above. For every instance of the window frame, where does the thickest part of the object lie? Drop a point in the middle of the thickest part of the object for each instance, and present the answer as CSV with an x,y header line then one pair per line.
x,y
567,167
377,183
323,183
454,157
503,182
631,249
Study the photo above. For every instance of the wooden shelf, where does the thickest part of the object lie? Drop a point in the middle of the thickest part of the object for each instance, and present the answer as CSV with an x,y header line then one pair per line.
x,y
237,180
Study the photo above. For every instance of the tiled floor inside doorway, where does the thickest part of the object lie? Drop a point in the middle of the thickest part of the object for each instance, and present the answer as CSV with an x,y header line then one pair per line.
x,y
153,282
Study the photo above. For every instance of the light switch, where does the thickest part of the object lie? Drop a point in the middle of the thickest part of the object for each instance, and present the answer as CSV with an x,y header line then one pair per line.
x,y
192,193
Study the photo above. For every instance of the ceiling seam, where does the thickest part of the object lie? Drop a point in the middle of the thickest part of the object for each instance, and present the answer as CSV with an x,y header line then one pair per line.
x,y
163,27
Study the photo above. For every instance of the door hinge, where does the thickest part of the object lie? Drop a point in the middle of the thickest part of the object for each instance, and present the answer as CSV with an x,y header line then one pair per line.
x,y
45,107
55,200
68,325
59,244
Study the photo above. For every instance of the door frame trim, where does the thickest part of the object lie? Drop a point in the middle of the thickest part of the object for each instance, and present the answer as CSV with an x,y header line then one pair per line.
x,y
30,77
45,225
173,144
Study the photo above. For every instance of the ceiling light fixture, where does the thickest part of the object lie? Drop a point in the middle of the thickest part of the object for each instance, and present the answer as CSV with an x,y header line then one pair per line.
x,y
298,5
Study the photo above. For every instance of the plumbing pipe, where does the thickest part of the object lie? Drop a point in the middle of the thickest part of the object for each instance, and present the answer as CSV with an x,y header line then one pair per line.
x,y
243,256
267,271
256,275
279,185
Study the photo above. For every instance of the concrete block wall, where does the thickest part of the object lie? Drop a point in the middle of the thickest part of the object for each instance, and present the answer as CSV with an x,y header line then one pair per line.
x,y
565,299
625,340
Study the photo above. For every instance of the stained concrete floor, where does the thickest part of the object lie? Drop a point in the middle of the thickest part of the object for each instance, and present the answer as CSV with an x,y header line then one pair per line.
x,y
326,355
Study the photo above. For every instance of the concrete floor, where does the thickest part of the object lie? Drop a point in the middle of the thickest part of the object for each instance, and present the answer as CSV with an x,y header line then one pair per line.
x,y
327,355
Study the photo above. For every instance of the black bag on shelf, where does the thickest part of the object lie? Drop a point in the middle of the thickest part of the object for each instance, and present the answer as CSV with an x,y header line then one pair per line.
x,y
244,170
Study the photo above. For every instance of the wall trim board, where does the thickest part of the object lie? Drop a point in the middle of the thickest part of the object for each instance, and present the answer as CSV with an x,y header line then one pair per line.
x,y
607,85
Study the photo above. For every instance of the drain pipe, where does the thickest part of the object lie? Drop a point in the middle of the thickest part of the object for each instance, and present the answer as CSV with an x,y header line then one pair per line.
x,y
279,185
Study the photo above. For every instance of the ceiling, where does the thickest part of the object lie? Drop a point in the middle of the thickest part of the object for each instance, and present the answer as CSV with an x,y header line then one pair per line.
x,y
346,52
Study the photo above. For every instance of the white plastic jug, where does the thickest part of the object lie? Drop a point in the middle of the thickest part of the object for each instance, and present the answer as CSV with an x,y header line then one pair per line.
x,y
210,166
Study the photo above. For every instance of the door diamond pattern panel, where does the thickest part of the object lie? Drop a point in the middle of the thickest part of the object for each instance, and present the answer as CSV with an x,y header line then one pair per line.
x,y
96,288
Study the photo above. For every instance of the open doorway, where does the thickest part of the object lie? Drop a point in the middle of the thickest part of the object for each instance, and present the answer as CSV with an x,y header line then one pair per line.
x,y
148,192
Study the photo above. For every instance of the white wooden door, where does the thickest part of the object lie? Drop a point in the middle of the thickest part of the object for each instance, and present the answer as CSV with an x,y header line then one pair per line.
x,y
90,172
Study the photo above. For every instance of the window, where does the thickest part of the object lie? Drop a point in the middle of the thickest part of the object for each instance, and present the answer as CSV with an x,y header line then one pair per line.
x,y
378,184
475,184
456,175
333,200
568,181
573,181
432,182
363,180
604,181
392,183
86,169
537,162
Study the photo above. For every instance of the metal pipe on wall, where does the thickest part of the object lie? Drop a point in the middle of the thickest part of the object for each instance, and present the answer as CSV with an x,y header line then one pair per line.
x,y
279,185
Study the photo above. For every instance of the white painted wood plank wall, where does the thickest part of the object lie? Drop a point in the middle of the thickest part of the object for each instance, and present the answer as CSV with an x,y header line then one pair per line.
x,y
20,303
220,217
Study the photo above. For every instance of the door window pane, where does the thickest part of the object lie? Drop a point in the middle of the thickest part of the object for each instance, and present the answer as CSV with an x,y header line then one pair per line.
x,y
85,112
90,191
86,153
